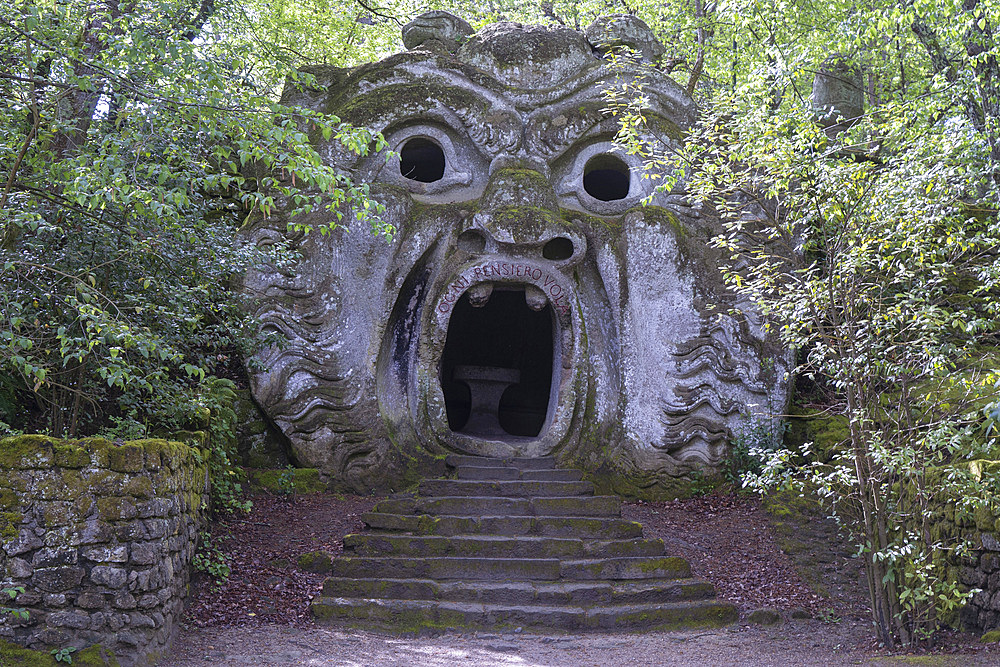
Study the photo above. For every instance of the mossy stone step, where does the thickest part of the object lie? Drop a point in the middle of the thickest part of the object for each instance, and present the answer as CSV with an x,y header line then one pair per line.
x,y
444,568
584,593
488,472
474,546
582,506
606,528
502,488
511,543
669,567
496,546
416,615
510,474
562,475
540,463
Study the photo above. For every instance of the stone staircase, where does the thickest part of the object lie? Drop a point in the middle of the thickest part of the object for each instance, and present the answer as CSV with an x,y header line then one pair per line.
x,y
511,543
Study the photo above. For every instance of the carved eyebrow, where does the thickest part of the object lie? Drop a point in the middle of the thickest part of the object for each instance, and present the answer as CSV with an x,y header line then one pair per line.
x,y
551,131
487,117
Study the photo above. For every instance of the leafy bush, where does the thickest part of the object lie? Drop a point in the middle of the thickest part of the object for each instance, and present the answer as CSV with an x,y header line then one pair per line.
x,y
132,158
752,441
212,561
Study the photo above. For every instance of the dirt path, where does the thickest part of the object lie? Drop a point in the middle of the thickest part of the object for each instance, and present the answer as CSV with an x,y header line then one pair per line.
x,y
792,643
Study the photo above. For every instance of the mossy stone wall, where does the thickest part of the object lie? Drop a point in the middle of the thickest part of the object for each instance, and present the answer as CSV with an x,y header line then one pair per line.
x,y
101,535
980,569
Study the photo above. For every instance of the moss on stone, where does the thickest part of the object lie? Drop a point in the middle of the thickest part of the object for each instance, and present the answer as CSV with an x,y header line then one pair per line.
x,y
991,637
129,457
12,655
140,487
27,451
116,509
69,455
526,219
375,106
10,523
8,499
56,514
641,485
305,480
315,561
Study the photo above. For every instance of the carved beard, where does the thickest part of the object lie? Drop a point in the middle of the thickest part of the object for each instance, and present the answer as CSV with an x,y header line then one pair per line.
x,y
525,275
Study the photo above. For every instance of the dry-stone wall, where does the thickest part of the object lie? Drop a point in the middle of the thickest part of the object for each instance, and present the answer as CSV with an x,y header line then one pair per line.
x,y
981,567
101,537
950,523
982,571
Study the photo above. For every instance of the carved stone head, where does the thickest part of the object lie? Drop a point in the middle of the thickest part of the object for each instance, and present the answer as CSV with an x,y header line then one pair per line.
x,y
530,303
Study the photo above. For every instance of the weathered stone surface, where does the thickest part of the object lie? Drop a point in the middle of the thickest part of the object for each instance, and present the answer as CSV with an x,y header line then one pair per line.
x,y
57,579
69,619
837,94
447,29
608,32
520,227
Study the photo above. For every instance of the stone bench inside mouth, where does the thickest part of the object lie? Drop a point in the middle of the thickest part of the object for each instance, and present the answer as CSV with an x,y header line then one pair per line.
x,y
486,386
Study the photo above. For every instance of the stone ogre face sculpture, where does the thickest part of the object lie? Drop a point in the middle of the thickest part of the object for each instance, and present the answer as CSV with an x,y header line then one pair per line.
x,y
529,304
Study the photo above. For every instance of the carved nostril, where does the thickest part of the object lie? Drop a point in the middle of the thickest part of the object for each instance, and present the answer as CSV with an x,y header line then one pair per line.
x,y
605,177
472,241
421,160
558,248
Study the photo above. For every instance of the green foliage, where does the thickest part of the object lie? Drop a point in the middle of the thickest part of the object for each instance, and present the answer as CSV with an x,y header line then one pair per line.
x,y
64,654
12,594
752,442
135,144
869,250
701,484
213,562
286,482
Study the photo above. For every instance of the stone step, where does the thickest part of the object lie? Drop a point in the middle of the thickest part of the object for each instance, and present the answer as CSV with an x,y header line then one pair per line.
x,y
585,593
471,546
472,506
436,488
553,526
558,475
540,463
669,567
414,615
444,568
495,546
488,473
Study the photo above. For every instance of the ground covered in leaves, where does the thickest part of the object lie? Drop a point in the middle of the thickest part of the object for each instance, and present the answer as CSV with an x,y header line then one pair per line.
x,y
265,585
729,540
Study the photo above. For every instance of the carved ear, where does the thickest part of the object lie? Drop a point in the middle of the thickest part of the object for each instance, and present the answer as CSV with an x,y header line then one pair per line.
x,y
608,32
443,27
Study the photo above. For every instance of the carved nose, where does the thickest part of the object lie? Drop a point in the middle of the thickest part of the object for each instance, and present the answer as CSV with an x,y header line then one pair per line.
x,y
518,187
519,204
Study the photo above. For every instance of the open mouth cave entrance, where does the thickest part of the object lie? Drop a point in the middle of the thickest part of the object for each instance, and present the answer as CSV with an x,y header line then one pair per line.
x,y
497,366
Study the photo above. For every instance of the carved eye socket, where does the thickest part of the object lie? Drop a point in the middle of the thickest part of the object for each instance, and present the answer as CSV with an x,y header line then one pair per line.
x,y
558,248
606,178
472,241
421,160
